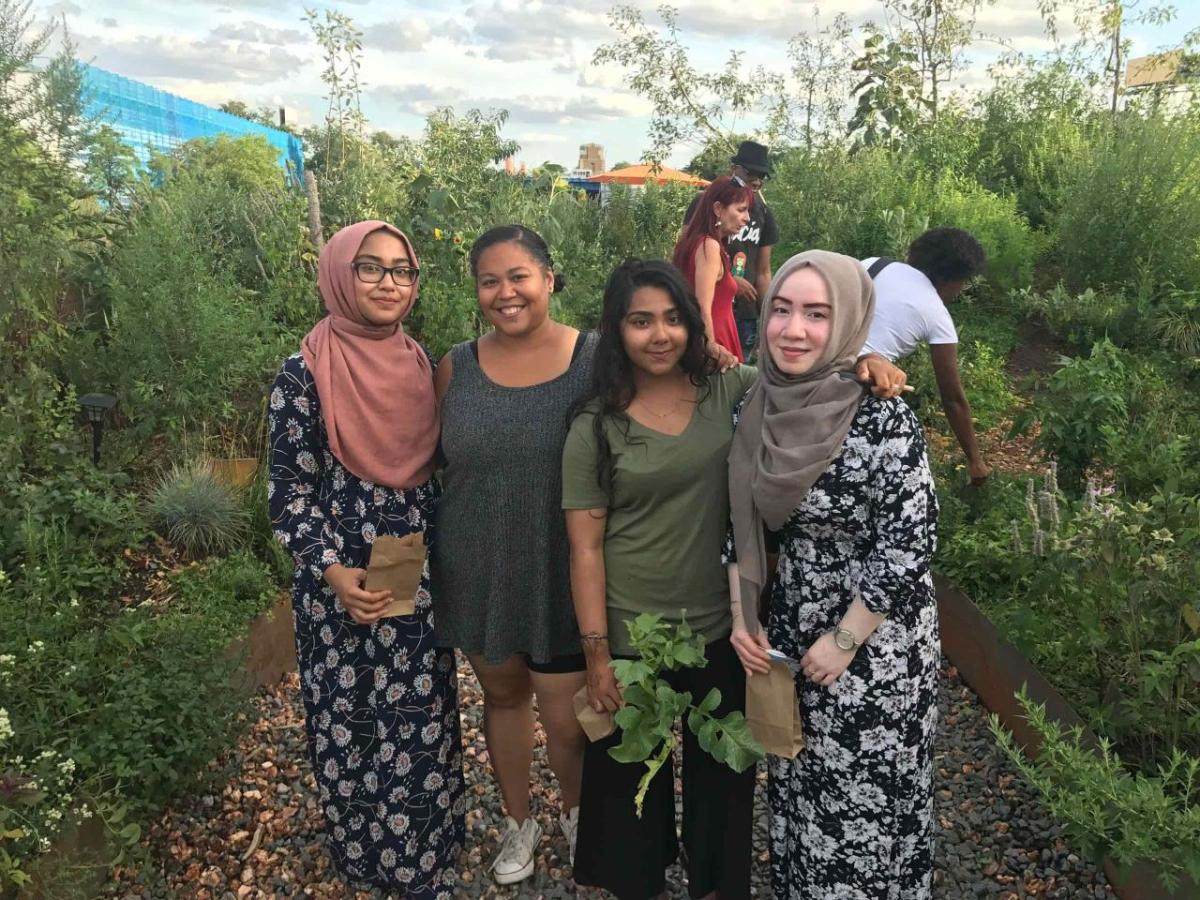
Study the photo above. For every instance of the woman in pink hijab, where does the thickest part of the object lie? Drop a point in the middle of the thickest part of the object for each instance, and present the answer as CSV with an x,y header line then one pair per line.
x,y
354,426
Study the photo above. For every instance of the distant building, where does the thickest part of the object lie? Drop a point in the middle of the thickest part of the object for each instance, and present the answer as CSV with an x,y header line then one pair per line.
x,y
591,159
148,119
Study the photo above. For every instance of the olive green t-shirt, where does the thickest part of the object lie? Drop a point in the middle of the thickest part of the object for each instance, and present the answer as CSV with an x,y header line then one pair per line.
x,y
668,512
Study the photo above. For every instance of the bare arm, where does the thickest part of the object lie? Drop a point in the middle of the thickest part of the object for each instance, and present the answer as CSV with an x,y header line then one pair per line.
x,y
442,375
585,531
708,270
762,278
957,407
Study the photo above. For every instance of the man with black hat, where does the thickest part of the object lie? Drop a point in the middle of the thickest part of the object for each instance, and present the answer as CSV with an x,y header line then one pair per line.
x,y
750,249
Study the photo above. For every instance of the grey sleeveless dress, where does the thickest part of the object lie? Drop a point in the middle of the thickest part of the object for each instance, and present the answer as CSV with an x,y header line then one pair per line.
x,y
501,578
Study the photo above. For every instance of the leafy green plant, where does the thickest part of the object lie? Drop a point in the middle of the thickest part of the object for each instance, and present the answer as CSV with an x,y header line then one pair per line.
x,y
1107,810
647,720
197,512
1083,397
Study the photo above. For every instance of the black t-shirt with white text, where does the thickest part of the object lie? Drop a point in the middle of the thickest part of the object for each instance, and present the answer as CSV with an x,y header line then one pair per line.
x,y
760,231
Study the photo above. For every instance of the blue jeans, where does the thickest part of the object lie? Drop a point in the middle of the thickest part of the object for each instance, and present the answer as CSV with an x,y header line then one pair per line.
x,y
747,330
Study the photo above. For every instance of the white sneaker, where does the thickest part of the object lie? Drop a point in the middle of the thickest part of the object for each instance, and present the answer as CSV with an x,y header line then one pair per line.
x,y
514,862
569,822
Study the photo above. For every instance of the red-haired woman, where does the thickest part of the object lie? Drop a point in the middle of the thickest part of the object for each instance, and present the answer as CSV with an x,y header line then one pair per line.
x,y
700,255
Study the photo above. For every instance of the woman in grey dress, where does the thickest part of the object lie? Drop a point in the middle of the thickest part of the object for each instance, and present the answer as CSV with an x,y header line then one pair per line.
x,y
501,583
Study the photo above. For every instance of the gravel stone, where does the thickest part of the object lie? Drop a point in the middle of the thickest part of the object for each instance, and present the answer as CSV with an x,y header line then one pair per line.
x,y
994,838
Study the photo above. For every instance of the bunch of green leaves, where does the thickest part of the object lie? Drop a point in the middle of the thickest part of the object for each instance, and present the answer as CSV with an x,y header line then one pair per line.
x,y
647,720
1083,397
1151,817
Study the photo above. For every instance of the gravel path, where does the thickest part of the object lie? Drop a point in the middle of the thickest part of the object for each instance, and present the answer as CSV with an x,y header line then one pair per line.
x,y
261,835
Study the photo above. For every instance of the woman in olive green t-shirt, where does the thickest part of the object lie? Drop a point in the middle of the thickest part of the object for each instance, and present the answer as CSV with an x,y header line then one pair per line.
x,y
645,490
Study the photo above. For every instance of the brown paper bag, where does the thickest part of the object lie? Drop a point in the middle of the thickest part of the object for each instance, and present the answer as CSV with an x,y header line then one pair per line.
x,y
773,712
396,565
595,725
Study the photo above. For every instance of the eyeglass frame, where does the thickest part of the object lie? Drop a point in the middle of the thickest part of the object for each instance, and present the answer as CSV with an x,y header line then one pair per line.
x,y
762,177
385,271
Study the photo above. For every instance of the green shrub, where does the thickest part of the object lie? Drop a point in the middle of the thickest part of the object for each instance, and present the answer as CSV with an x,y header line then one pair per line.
x,y
874,203
1108,811
197,512
1085,397
1031,130
1129,209
186,346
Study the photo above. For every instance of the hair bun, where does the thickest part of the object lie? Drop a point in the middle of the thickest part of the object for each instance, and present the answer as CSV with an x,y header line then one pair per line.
x,y
560,282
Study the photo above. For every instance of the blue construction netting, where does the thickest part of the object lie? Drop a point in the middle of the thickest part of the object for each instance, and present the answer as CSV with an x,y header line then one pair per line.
x,y
149,119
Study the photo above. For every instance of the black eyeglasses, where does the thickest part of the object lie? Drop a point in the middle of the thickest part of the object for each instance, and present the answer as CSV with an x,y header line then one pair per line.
x,y
372,273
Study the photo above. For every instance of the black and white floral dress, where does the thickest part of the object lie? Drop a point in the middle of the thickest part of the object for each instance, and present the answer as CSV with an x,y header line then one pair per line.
x,y
852,814
382,713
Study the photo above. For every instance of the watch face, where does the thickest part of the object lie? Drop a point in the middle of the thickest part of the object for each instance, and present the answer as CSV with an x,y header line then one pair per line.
x,y
843,639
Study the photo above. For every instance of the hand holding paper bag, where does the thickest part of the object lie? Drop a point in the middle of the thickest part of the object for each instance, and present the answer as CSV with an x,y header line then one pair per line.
x,y
773,711
397,564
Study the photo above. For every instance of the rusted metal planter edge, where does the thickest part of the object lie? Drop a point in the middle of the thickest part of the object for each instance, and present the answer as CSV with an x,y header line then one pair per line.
x,y
996,671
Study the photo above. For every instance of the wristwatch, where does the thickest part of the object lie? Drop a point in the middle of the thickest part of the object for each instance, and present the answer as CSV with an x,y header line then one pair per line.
x,y
845,639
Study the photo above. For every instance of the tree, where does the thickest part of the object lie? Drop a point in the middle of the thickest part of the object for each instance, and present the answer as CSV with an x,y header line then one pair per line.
x,y
110,168
821,67
341,44
247,164
938,32
713,159
264,115
889,94
689,105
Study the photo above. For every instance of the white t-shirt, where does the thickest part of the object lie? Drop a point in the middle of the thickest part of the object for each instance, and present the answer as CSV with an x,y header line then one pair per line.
x,y
908,311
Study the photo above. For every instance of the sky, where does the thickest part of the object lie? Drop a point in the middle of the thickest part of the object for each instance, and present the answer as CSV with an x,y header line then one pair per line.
x,y
530,57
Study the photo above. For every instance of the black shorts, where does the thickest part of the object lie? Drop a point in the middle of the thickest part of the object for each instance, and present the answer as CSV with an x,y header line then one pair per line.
x,y
557,665
629,856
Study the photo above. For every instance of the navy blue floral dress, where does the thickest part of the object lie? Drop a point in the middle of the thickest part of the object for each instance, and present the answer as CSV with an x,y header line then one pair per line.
x,y
382,713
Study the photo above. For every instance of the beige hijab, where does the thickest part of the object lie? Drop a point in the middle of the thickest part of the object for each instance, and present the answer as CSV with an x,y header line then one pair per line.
x,y
792,426
375,382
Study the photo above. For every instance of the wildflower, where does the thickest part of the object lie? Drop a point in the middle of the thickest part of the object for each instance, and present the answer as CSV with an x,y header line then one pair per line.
x,y
1016,536
437,234
6,729
1164,535
1093,492
1031,503
1051,484
1048,503
36,647
1039,542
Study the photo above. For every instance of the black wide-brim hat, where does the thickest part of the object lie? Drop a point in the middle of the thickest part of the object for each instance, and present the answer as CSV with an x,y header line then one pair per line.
x,y
753,157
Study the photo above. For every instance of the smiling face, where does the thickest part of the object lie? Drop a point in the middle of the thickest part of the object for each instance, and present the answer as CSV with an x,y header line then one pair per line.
x,y
799,322
385,303
513,290
732,218
653,331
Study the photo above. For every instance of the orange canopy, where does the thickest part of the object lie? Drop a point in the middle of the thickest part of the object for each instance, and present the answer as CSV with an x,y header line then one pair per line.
x,y
643,174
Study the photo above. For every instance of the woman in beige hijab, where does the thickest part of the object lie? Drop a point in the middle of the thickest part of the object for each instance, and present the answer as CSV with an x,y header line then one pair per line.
x,y
843,478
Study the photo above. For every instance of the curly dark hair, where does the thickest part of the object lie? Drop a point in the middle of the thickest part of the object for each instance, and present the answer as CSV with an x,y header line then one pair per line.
x,y
947,254
533,243
612,387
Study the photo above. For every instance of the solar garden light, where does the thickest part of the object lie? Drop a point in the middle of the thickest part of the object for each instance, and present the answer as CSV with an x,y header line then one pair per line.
x,y
97,406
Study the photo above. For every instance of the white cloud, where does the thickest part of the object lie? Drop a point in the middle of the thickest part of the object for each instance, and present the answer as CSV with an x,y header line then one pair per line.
x,y
520,30
209,59
398,36
258,33
417,99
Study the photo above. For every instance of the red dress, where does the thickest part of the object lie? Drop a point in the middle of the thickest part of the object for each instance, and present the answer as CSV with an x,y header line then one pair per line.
x,y
724,327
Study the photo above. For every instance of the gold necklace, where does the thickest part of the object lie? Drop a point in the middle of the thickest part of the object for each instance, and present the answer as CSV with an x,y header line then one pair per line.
x,y
674,406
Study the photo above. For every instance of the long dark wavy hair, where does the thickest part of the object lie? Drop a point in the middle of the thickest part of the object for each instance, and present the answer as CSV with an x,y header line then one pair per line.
x,y
612,388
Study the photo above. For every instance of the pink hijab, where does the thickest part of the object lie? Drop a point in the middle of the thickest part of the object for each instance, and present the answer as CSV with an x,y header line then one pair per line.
x,y
375,383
